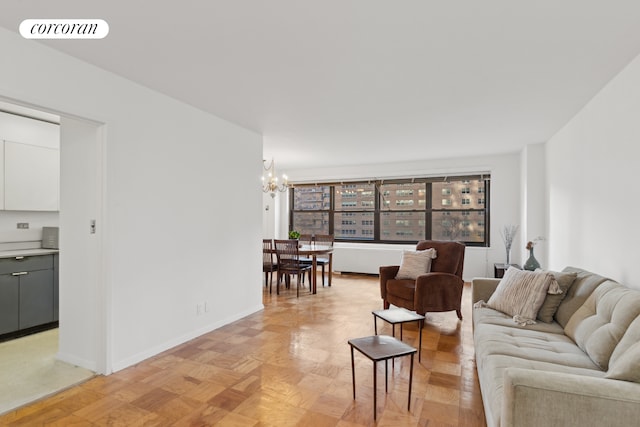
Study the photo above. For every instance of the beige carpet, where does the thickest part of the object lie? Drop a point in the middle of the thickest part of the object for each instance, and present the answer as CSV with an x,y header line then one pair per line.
x,y
30,371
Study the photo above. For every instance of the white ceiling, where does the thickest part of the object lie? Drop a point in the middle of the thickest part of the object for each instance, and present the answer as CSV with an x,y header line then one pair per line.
x,y
344,82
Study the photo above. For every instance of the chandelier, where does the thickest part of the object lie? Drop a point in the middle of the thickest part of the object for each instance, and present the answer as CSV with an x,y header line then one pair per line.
x,y
270,181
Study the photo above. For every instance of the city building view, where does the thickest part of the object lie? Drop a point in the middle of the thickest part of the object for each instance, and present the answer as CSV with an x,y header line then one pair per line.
x,y
400,211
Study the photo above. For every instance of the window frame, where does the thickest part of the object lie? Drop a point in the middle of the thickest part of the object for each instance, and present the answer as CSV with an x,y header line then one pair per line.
x,y
428,207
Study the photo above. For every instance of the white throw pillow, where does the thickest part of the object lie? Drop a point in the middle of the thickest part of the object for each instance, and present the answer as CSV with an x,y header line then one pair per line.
x,y
520,294
415,263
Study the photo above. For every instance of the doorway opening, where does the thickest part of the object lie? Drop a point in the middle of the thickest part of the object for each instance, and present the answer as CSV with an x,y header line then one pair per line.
x,y
79,344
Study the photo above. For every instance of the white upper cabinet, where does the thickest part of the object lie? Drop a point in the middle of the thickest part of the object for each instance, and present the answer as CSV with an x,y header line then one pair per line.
x,y
31,177
29,131
31,164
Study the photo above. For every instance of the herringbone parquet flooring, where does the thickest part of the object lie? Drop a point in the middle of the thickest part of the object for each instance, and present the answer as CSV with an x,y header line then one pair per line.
x,y
288,365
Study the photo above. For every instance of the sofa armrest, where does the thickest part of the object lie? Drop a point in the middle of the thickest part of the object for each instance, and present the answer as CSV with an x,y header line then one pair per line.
x,y
541,398
483,288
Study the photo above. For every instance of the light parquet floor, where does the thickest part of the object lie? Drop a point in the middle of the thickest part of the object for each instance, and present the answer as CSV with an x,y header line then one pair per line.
x,y
288,365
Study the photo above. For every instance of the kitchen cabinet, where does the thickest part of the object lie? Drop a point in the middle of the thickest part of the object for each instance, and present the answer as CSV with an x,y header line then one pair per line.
x,y
36,298
29,164
27,292
56,287
9,303
31,177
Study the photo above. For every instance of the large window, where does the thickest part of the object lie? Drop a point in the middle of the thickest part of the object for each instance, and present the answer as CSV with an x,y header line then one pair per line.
x,y
395,211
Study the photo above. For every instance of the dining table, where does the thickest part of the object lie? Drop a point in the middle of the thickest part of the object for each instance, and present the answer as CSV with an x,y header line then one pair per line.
x,y
313,250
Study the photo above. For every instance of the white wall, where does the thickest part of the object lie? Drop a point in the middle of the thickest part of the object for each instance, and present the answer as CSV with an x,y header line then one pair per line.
x,y
533,199
173,238
505,208
80,271
592,172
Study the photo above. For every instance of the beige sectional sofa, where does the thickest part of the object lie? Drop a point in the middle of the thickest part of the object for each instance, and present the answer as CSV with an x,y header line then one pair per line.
x,y
581,369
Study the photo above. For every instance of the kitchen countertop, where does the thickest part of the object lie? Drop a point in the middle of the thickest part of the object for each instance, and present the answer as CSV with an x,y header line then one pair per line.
x,y
26,252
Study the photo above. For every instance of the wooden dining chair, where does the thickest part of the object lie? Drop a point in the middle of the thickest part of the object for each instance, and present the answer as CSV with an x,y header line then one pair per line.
x,y
288,256
305,239
325,260
269,266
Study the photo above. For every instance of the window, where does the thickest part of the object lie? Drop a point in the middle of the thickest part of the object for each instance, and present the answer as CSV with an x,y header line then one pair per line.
x,y
312,205
361,209
395,211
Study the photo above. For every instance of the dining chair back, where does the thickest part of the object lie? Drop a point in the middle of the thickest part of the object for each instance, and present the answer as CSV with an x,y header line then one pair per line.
x,y
305,239
327,260
268,263
288,256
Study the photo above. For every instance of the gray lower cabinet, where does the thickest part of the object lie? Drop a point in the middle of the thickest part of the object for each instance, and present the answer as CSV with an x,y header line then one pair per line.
x,y
36,298
56,287
9,303
27,292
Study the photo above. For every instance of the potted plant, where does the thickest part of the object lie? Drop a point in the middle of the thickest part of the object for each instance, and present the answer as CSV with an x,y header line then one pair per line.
x,y
293,234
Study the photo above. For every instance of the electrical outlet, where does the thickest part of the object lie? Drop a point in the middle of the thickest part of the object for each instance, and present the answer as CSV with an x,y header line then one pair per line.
x,y
206,307
23,225
198,309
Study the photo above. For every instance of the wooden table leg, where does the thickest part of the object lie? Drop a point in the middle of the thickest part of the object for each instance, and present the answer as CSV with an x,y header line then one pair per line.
x,y
314,268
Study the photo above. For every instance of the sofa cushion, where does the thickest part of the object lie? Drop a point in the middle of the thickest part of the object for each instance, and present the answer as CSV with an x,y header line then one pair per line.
x,y
625,359
577,294
492,385
600,323
415,263
524,343
520,294
552,301
488,315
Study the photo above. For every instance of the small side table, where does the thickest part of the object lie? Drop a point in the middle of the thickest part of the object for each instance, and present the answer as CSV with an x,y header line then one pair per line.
x,y
377,348
399,315
499,269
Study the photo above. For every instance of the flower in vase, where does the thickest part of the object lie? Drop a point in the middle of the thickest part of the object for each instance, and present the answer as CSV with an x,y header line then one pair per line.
x,y
532,243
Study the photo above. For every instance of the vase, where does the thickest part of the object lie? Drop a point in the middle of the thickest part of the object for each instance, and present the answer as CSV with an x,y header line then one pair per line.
x,y
532,263
508,256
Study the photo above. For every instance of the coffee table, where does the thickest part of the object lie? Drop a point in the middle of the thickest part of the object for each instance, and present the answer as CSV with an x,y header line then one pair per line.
x,y
399,316
377,348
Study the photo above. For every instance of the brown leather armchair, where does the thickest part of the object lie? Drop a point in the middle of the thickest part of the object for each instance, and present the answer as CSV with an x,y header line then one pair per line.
x,y
439,290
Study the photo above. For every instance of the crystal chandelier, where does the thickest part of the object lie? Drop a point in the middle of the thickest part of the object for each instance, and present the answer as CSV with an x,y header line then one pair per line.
x,y
270,181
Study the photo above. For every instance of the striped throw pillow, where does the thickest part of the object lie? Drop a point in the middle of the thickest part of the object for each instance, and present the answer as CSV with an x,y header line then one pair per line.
x,y
415,263
520,294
